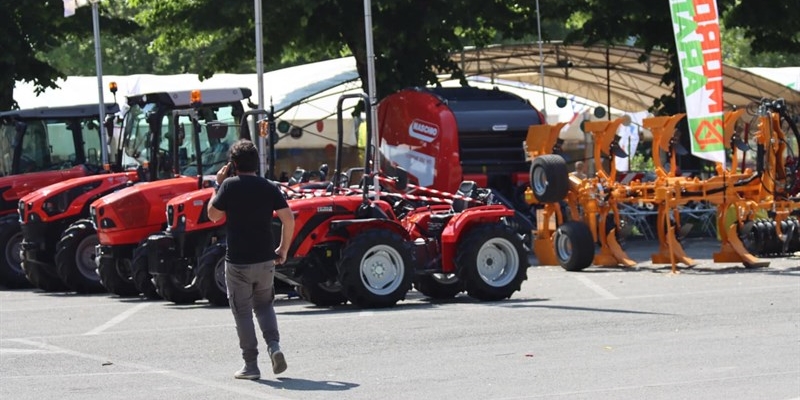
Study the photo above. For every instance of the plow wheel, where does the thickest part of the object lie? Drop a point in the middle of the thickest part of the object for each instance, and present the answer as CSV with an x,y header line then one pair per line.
x,y
491,261
211,275
439,286
11,274
549,178
115,276
375,269
574,246
750,236
141,273
75,258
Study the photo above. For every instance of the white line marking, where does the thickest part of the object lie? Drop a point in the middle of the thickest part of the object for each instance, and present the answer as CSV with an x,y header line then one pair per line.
x,y
119,318
149,370
595,287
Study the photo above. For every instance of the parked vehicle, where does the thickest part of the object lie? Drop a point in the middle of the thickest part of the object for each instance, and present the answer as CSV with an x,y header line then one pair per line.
x,y
196,142
42,146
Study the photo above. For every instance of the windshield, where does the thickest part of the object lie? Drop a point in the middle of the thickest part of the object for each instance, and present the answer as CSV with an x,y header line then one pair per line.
x,y
218,131
48,145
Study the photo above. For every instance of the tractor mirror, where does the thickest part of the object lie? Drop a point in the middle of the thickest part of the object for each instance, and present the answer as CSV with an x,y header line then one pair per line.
x,y
217,130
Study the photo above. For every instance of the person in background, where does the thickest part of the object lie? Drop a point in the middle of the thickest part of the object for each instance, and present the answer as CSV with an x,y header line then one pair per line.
x,y
248,202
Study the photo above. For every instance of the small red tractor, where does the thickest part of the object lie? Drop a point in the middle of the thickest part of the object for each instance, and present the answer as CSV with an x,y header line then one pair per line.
x,y
42,146
125,219
366,246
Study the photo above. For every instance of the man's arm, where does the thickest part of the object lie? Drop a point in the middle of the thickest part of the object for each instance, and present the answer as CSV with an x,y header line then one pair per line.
x,y
287,231
213,214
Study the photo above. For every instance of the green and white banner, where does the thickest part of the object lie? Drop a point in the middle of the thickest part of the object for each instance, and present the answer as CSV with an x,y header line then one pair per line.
x,y
696,27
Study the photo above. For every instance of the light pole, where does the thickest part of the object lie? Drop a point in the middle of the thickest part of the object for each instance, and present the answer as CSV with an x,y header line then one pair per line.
x,y
371,88
541,57
98,59
262,141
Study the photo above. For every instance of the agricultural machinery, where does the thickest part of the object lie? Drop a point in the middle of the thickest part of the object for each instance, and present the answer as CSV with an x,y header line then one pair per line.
x,y
444,136
199,133
586,212
368,246
40,147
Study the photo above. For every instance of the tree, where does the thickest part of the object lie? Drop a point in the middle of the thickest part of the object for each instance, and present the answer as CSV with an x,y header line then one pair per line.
x,y
30,27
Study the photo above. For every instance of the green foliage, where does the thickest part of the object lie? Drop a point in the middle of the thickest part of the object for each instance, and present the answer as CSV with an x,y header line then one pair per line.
x,y
642,162
210,36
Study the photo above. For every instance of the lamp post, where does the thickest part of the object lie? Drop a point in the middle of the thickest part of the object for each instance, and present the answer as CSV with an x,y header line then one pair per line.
x,y
262,141
541,57
98,59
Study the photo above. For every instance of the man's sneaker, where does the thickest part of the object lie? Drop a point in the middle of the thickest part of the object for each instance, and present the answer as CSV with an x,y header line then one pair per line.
x,y
249,371
278,359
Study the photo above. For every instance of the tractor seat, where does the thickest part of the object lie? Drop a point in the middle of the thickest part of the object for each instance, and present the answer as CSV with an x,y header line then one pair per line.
x,y
465,189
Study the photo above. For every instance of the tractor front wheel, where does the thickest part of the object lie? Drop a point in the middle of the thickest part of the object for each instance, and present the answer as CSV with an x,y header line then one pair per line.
x,y
75,258
211,275
11,274
115,275
492,262
375,269
439,286
140,271
320,290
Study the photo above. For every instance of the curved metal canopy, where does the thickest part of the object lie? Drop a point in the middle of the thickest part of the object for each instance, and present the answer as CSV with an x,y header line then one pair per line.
x,y
618,76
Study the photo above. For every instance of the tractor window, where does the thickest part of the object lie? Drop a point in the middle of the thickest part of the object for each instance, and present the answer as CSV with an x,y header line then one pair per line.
x,y
90,131
218,131
61,145
35,149
136,133
7,133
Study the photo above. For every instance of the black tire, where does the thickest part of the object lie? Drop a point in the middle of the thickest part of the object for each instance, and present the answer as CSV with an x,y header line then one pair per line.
x,y
12,275
211,275
319,289
574,246
491,261
140,273
751,237
439,286
366,258
75,259
549,178
177,289
43,276
115,276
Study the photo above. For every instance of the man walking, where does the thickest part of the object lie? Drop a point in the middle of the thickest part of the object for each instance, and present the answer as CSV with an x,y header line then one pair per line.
x,y
248,201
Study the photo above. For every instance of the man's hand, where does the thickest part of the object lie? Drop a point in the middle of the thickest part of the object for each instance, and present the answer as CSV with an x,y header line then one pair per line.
x,y
223,173
281,253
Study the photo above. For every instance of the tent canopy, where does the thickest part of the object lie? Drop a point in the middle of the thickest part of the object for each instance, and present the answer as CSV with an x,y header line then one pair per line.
x,y
609,75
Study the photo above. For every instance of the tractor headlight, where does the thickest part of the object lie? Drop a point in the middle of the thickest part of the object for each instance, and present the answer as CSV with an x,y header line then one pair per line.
x,y
170,215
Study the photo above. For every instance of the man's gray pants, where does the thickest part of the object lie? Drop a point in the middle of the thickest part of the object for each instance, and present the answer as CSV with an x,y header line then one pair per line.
x,y
251,291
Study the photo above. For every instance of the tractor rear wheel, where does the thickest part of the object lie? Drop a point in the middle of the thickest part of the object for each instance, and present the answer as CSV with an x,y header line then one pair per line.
x,y
115,276
320,290
75,258
439,286
140,271
12,275
177,288
549,178
492,262
574,246
211,275
375,269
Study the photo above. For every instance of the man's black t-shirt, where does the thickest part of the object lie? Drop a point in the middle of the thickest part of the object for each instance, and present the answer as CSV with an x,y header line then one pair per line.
x,y
248,202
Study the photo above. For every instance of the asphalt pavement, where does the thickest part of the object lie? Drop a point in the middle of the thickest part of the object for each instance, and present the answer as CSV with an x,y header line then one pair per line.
x,y
714,331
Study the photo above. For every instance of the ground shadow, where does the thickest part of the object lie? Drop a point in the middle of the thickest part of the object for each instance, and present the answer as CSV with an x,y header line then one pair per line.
x,y
590,309
308,385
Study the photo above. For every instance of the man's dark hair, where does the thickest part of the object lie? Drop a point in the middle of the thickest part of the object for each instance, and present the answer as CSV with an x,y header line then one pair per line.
x,y
245,155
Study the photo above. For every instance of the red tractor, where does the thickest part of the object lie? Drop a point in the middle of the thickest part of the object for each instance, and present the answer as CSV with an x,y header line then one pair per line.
x,y
42,146
369,248
125,219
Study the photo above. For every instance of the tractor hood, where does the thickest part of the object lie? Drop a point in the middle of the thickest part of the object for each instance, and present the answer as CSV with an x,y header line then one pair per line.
x,y
139,206
14,187
46,192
